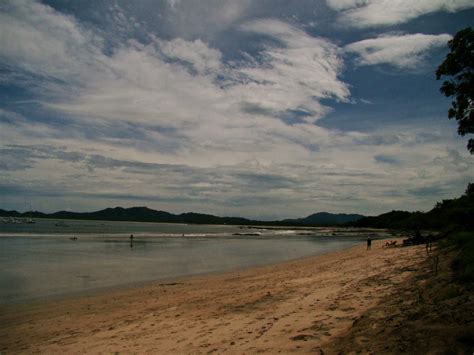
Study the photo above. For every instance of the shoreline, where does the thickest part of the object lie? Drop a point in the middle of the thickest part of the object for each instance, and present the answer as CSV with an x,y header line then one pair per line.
x,y
292,305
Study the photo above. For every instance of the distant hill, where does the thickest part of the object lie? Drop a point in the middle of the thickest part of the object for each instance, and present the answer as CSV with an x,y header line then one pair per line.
x,y
145,214
5,213
139,214
326,218
134,214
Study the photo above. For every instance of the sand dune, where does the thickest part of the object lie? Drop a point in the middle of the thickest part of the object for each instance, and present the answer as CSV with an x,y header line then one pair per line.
x,y
295,306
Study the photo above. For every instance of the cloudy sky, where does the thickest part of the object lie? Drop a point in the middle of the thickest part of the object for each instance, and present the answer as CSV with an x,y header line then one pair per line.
x,y
263,109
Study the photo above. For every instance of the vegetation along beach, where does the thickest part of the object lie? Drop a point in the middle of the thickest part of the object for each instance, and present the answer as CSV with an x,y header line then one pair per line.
x,y
236,177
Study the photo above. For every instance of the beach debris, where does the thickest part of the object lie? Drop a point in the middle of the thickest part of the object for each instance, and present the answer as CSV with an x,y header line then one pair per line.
x,y
303,337
390,244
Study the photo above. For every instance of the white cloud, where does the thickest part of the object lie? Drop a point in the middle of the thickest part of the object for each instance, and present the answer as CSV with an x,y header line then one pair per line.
x,y
204,19
37,39
401,51
369,13
339,5
293,74
197,53
173,3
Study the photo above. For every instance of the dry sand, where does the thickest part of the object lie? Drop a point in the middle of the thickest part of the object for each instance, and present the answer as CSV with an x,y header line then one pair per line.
x,y
297,306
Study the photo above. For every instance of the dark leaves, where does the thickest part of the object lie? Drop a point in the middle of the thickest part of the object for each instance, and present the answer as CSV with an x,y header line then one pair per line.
x,y
459,66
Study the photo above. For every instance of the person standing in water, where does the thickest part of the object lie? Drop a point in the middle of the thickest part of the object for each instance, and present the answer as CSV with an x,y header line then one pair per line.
x,y
369,243
131,240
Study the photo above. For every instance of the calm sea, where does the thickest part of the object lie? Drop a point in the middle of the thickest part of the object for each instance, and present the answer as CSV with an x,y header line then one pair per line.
x,y
58,258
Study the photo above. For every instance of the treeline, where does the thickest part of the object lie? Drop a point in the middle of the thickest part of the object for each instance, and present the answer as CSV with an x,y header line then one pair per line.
x,y
448,213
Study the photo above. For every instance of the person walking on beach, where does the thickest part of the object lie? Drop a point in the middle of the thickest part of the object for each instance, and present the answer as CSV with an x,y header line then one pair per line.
x,y
369,243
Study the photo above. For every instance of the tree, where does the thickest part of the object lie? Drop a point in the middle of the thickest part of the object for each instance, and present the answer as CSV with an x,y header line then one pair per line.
x,y
470,191
459,68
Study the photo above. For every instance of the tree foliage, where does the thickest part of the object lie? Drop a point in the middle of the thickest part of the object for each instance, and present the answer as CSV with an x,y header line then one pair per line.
x,y
459,68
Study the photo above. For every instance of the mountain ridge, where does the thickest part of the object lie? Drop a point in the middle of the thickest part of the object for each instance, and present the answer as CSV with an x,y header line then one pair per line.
x,y
145,214
327,218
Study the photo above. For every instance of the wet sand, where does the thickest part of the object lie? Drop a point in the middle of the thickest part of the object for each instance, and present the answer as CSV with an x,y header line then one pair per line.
x,y
297,306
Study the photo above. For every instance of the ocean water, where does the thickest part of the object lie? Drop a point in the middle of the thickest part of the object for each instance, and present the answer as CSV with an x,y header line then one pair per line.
x,y
45,260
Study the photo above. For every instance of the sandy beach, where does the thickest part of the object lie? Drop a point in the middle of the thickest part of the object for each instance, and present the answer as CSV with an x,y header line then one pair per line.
x,y
297,306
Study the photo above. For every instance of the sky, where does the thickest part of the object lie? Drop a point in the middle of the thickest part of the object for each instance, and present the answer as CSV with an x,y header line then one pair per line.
x,y
261,109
